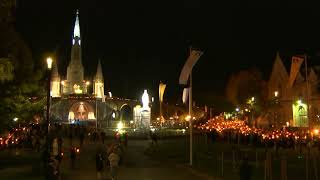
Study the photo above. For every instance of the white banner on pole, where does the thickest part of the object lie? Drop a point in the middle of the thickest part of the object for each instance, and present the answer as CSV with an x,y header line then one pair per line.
x,y
187,68
295,67
185,95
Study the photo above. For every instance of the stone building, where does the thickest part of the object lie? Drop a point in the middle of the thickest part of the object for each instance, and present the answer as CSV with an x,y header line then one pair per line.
x,y
289,104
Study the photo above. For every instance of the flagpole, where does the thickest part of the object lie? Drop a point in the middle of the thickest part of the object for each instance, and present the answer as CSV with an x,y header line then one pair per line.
x,y
96,114
307,90
185,75
190,114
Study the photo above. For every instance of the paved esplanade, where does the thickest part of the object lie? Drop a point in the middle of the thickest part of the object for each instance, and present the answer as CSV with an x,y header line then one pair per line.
x,y
136,165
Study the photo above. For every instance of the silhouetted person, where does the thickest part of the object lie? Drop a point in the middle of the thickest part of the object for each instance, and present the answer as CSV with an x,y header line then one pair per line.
x,y
114,159
99,164
154,138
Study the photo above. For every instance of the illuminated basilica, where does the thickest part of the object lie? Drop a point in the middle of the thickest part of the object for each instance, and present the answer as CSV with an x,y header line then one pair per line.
x,y
72,100
75,82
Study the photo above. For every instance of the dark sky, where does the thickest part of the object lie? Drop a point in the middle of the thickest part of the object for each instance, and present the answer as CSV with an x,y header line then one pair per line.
x,y
141,43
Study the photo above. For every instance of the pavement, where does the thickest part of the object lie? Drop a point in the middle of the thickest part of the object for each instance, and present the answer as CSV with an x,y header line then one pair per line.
x,y
136,165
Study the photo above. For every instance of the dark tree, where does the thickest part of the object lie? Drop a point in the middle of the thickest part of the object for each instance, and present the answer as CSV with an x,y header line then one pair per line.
x,y
22,96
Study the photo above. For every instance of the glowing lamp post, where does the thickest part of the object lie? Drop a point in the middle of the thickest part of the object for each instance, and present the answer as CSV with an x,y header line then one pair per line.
x,y
49,63
251,102
49,66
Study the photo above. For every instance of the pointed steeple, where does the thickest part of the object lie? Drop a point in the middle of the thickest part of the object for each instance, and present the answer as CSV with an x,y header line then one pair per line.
x,y
54,72
99,74
99,82
75,71
278,70
278,75
55,81
76,30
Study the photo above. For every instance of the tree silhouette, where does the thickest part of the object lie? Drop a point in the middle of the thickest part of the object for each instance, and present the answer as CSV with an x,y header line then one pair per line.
x,y
246,84
22,96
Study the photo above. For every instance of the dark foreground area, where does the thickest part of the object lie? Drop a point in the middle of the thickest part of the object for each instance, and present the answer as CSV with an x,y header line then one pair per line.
x,y
168,159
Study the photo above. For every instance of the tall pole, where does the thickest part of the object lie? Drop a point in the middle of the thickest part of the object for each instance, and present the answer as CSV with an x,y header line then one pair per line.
x,y
160,113
48,107
190,114
307,90
96,114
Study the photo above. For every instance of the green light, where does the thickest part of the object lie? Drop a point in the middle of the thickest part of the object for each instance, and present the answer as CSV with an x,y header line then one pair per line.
x,y
299,112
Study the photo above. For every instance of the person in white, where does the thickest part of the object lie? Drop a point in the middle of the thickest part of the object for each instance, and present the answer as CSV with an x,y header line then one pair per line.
x,y
114,159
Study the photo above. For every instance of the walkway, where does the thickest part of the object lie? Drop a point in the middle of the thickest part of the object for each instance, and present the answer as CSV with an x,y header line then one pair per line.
x,y
136,166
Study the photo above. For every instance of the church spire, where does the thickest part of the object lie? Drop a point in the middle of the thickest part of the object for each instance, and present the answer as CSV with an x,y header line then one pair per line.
x,y
75,71
99,75
55,81
54,72
99,83
76,30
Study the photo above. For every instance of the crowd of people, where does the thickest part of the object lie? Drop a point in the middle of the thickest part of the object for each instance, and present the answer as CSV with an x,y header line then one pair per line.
x,y
109,153
238,132
28,136
65,142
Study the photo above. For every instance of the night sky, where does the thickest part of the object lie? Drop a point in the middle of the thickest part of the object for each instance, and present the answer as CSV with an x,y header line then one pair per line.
x,y
141,43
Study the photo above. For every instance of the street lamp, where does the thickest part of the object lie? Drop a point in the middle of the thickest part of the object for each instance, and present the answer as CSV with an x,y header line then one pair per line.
x,y
15,119
49,66
276,94
252,111
49,63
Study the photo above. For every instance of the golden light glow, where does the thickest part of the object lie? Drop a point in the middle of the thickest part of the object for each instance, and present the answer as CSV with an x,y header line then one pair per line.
x,y
88,83
120,125
62,83
188,118
299,101
77,89
276,94
49,62
316,131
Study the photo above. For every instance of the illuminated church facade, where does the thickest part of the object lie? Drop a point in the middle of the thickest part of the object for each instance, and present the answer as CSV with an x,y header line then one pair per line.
x,y
75,82
72,100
